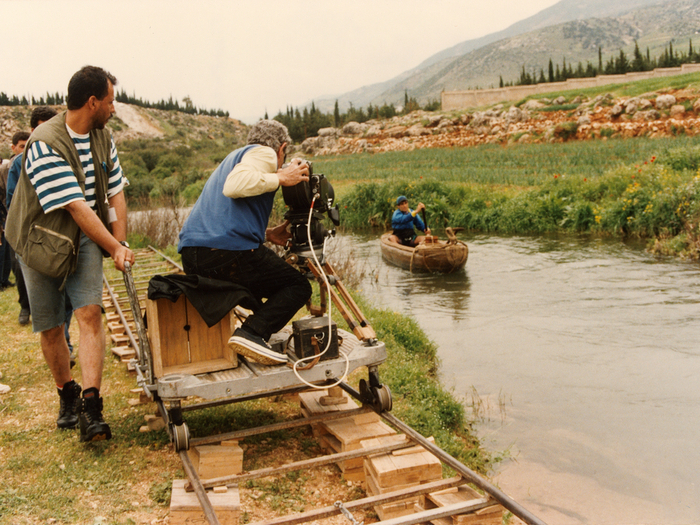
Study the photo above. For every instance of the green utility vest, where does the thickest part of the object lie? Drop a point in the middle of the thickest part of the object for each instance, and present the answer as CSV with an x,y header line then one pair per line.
x,y
48,242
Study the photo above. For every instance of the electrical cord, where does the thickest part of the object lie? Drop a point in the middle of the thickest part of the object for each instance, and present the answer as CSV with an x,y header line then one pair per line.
x,y
319,267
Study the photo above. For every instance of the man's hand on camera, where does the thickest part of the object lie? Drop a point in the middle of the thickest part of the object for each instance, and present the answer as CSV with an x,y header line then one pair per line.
x,y
293,173
279,234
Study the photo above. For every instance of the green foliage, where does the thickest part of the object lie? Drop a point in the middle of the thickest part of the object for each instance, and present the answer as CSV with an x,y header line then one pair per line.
x,y
657,196
617,64
566,130
162,171
684,158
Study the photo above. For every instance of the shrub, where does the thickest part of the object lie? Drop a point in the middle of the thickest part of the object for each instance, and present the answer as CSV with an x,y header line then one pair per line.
x,y
683,158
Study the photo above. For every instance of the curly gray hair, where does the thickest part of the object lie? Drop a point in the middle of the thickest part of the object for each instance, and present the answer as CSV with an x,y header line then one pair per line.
x,y
269,133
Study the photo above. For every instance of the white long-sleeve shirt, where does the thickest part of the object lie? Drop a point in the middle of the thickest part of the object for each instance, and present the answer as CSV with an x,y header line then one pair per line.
x,y
254,175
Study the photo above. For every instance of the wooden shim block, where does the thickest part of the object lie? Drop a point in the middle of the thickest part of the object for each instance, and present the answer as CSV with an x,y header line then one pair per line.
x,y
356,475
142,399
389,470
492,515
349,433
396,509
154,422
116,327
375,490
124,352
331,442
119,339
217,461
186,509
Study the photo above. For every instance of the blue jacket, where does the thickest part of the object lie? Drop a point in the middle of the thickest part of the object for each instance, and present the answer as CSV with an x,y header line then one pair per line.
x,y
217,221
13,177
406,221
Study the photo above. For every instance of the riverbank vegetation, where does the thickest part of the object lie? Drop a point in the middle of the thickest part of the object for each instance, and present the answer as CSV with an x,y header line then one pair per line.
x,y
646,188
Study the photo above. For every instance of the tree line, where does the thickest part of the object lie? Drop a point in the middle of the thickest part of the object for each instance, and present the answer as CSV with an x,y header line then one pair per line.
x,y
57,99
170,105
615,65
306,122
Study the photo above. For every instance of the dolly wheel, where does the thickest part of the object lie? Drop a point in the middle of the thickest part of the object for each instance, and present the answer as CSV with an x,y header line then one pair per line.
x,y
181,437
382,398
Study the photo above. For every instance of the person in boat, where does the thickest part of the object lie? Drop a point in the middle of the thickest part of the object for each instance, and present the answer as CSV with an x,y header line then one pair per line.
x,y
224,234
403,222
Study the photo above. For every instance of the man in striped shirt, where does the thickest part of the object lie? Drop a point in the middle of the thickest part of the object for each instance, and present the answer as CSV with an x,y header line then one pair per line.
x,y
70,192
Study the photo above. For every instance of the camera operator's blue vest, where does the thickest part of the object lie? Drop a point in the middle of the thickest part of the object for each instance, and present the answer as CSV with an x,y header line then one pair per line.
x,y
217,221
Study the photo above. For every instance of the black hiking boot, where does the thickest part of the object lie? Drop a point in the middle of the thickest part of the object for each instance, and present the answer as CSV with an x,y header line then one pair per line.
x,y
70,405
92,426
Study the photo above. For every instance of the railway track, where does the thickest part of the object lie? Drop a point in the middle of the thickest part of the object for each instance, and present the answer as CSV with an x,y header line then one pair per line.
x,y
124,300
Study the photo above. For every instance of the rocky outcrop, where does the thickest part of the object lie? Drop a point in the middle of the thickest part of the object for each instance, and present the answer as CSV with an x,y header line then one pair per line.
x,y
534,121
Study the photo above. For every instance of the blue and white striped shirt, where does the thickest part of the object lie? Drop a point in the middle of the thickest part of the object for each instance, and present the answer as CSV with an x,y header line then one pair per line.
x,y
54,180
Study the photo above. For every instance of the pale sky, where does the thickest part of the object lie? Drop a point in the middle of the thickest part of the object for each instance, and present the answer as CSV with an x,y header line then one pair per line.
x,y
246,57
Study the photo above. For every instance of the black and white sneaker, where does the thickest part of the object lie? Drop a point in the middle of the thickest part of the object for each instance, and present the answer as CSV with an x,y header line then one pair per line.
x,y
255,347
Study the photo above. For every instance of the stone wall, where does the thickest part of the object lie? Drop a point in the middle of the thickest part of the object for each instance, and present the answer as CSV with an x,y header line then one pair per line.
x,y
454,100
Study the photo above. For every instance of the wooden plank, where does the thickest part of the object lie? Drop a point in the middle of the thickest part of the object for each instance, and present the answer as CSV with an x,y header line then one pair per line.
x,y
389,470
491,515
215,461
186,509
350,433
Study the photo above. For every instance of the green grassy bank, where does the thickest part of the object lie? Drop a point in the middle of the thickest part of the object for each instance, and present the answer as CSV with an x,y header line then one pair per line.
x,y
50,477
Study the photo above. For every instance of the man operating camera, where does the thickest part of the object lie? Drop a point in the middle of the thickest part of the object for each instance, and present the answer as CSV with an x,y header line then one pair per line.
x,y
223,236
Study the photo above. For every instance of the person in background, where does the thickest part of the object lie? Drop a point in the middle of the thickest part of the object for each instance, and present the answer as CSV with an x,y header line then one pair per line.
x,y
403,222
240,195
75,152
39,115
19,140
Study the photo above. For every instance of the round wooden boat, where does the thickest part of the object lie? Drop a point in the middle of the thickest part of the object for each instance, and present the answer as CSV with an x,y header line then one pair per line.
x,y
432,255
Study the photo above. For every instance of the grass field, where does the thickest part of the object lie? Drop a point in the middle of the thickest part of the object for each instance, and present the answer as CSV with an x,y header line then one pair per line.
x,y
520,165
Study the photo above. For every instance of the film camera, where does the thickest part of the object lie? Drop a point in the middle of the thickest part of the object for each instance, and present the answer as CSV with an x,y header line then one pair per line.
x,y
316,192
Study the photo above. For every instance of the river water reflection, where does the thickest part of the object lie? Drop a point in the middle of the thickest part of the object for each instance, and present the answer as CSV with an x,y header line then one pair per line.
x,y
585,355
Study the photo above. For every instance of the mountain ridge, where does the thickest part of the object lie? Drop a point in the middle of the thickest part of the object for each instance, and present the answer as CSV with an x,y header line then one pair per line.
x,y
451,69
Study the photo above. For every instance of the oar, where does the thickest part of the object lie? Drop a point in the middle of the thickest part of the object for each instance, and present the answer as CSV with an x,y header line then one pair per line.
x,y
425,221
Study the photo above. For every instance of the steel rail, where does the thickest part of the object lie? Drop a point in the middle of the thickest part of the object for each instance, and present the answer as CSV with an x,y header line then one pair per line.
x,y
196,483
496,493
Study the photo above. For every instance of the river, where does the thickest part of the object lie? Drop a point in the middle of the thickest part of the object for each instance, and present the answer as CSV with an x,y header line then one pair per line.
x,y
580,360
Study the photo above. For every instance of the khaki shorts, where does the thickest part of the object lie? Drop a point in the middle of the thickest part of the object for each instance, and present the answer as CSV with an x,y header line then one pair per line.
x,y
83,288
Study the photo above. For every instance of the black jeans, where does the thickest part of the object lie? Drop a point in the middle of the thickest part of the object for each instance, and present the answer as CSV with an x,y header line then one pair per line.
x,y
262,272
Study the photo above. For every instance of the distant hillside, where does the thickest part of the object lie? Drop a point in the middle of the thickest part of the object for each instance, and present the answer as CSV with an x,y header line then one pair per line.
x,y
571,30
133,122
